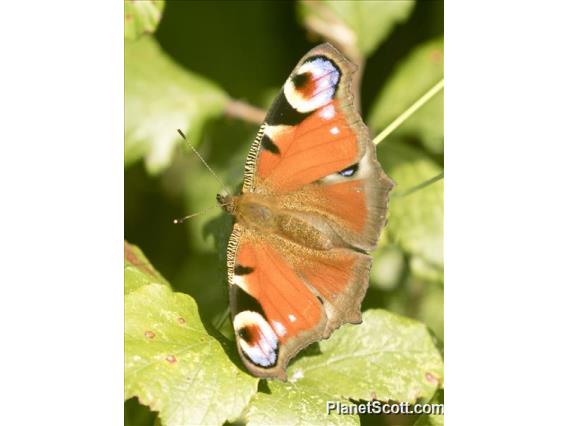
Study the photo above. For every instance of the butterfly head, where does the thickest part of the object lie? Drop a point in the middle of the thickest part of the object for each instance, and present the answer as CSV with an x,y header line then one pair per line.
x,y
226,201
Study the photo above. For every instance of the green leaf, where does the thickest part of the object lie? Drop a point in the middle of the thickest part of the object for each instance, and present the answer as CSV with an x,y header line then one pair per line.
x,y
138,271
387,357
141,17
161,97
416,220
174,366
364,24
419,72
201,198
423,270
136,414
432,419
291,404
430,309
388,267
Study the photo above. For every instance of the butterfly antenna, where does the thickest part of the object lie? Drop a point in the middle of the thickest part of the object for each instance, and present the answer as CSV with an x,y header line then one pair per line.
x,y
202,160
189,216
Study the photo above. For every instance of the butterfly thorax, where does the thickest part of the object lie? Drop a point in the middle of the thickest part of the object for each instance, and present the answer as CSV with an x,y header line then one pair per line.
x,y
264,214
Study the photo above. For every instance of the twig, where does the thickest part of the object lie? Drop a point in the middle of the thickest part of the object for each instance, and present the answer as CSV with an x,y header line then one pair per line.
x,y
411,110
244,111
419,186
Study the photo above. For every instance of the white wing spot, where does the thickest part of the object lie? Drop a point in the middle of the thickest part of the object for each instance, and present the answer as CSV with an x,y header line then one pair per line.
x,y
292,318
328,112
280,329
240,281
334,130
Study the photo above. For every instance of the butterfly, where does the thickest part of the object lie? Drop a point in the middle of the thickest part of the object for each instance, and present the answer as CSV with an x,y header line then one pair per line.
x,y
313,202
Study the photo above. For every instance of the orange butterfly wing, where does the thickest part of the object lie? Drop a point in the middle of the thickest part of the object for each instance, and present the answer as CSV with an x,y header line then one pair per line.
x,y
314,200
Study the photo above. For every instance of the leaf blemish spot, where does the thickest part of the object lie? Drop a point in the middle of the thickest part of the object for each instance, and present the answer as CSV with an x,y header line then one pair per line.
x,y
171,359
149,334
431,378
436,56
373,396
181,320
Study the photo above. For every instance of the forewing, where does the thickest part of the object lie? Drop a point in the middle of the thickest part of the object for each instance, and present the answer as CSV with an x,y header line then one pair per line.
x,y
311,129
314,141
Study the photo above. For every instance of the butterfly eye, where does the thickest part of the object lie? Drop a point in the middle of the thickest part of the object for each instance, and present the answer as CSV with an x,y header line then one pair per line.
x,y
349,171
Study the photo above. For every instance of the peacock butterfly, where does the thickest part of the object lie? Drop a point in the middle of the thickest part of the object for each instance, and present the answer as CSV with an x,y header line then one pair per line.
x,y
313,202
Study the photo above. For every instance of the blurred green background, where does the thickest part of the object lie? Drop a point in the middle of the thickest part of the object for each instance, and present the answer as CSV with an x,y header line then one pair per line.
x,y
205,54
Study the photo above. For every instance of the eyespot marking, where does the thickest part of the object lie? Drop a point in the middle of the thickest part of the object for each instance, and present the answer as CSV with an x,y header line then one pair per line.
x,y
314,85
245,334
301,80
349,171
256,339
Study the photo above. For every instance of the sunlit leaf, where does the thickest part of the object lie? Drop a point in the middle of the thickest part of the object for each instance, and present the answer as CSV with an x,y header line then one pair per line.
x,y
430,310
414,76
141,17
387,357
422,269
161,97
174,366
388,267
416,221
138,271
291,404
362,24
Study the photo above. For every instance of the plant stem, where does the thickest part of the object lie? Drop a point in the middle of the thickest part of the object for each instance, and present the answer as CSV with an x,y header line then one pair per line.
x,y
244,111
419,186
411,110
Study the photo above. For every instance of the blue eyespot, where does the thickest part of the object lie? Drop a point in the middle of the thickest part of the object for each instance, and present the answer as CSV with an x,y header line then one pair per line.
x,y
349,171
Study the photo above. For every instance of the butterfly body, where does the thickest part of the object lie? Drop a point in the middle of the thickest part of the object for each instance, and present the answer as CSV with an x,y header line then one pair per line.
x,y
283,217
313,202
